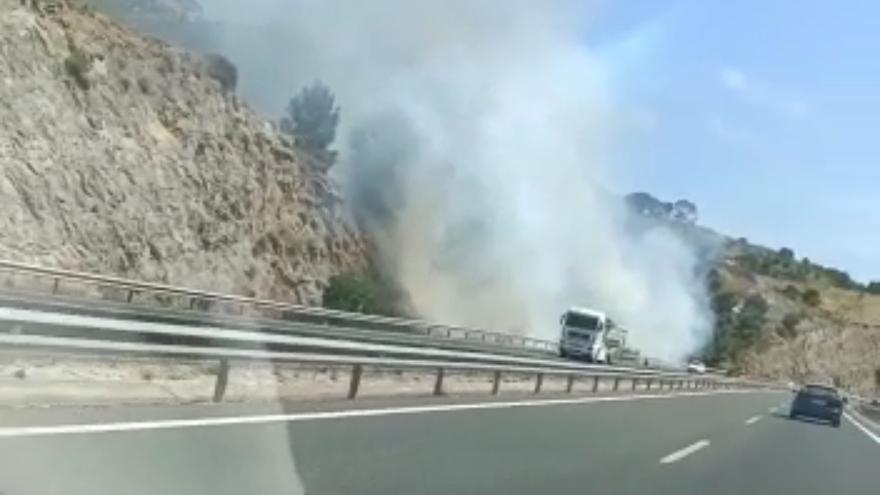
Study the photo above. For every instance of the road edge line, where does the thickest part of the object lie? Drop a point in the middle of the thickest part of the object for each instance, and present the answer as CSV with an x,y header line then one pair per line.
x,y
867,431
86,428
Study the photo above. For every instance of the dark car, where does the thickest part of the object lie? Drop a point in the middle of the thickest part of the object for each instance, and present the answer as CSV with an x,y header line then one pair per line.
x,y
818,402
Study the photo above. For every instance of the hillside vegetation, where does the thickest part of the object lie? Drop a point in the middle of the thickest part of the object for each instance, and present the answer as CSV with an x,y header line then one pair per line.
x,y
776,315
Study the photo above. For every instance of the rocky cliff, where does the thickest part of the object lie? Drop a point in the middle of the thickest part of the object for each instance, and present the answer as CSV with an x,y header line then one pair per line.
x,y
120,154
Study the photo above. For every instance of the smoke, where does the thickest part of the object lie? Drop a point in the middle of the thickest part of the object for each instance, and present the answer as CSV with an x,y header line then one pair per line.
x,y
471,144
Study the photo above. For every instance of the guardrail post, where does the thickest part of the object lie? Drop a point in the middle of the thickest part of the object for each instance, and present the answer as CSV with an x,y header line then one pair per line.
x,y
438,384
130,295
496,383
616,383
353,386
635,383
648,384
596,383
539,380
222,380
55,285
570,385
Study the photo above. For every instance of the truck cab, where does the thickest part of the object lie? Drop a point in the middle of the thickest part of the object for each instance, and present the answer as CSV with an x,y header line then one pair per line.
x,y
590,335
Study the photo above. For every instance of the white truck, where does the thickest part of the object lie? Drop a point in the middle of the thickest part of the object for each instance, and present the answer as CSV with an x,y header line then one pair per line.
x,y
590,335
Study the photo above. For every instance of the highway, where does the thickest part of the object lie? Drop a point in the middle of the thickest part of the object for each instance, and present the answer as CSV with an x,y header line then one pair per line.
x,y
709,443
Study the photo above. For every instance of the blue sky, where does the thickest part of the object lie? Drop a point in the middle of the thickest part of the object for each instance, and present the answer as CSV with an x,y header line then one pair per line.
x,y
764,113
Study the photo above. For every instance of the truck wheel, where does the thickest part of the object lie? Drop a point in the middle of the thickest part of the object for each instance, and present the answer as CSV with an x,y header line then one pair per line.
x,y
835,422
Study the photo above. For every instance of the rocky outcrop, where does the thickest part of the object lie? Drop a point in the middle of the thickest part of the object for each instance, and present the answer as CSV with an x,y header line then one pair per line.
x,y
122,155
835,339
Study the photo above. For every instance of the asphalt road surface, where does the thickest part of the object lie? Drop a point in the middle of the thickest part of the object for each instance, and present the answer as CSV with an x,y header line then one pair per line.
x,y
728,443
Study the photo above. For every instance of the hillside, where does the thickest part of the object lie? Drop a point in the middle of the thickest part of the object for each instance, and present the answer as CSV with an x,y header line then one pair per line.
x,y
776,315
122,155
796,325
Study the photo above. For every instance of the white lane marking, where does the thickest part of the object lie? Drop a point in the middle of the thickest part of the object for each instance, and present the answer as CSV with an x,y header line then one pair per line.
x,y
28,431
753,420
682,453
773,410
867,431
864,419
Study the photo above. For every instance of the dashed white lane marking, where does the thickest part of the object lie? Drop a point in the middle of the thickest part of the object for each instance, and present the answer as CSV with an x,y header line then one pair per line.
x,y
867,431
753,420
682,453
28,431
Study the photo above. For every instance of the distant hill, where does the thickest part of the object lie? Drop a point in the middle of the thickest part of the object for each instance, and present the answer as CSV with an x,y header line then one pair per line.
x,y
776,315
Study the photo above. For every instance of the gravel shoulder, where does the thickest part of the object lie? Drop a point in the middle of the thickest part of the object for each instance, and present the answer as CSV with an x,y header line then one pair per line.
x,y
58,379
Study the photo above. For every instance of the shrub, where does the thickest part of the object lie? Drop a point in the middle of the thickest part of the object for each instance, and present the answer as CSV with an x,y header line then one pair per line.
x,y
840,278
224,71
786,253
143,84
791,292
20,373
788,328
753,312
812,298
78,64
362,293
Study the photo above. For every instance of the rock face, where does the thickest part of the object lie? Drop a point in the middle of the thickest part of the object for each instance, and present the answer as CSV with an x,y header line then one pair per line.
x,y
834,340
122,155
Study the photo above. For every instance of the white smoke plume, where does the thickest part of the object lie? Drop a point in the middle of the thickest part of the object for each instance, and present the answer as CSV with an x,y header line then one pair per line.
x,y
471,143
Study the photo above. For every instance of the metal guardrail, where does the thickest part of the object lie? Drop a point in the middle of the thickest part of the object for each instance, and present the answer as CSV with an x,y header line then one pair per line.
x,y
615,379
31,330
294,312
117,310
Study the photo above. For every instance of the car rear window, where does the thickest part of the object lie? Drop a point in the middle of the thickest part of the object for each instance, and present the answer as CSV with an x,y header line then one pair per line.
x,y
820,391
